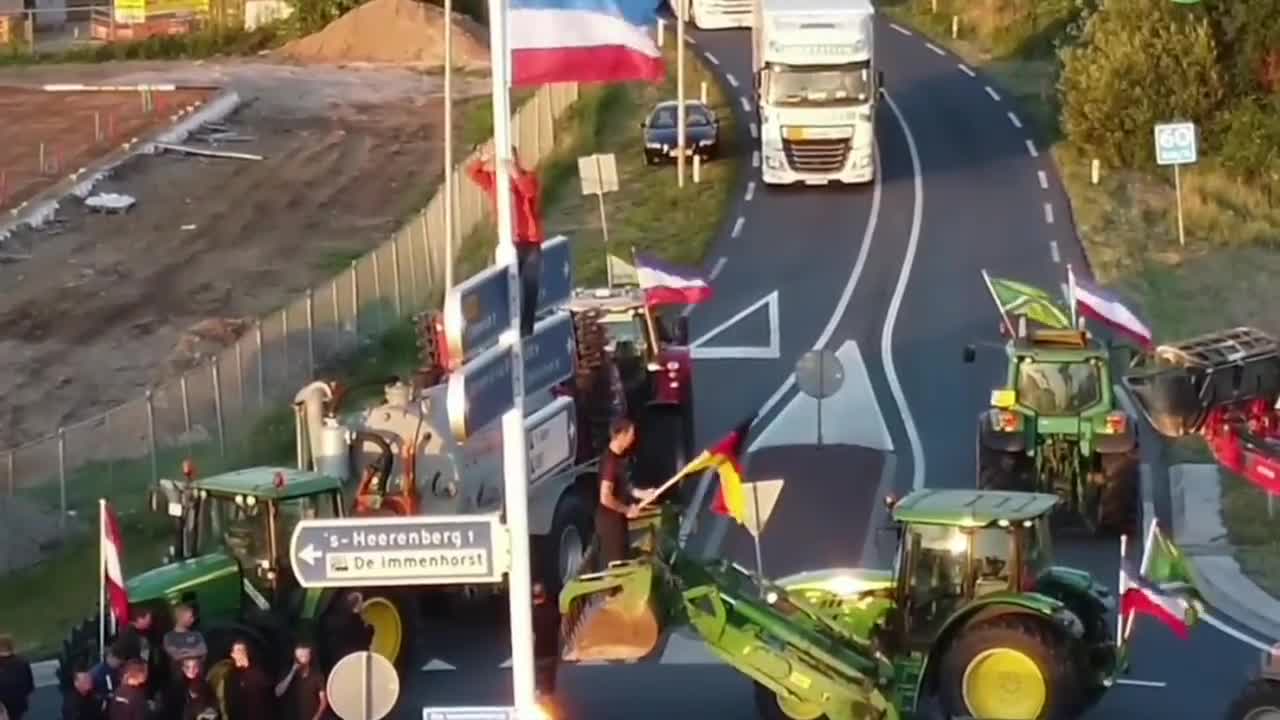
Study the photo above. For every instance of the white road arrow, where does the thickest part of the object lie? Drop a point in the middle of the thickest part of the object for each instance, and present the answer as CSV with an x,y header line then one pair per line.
x,y
310,554
437,666
772,352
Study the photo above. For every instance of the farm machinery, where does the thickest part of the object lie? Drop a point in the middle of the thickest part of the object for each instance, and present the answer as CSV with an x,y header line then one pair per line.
x,y
1055,427
973,620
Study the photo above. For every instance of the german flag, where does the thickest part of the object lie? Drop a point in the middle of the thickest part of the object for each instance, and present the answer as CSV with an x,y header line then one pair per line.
x,y
731,500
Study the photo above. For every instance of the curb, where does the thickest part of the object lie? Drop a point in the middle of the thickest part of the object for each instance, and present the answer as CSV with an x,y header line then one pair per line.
x,y
1203,538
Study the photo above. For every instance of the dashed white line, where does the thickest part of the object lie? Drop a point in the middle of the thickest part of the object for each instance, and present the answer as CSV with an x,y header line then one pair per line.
x,y
737,226
966,70
1053,251
751,190
1044,179
900,29
711,58
1016,122
755,131
1048,213
1031,148
746,106
691,40
755,158
935,48
992,92
732,80
715,269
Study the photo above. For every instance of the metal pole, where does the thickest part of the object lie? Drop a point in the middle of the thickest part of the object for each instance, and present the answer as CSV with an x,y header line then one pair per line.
x,y
262,380
448,147
311,333
355,300
240,376
755,492
13,476
377,291
514,441
604,226
337,305
62,478
186,406
395,276
680,139
217,406
1177,187
102,580
284,340
151,437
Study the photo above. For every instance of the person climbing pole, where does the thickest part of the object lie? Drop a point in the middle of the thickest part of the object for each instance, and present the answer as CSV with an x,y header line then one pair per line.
x,y
526,207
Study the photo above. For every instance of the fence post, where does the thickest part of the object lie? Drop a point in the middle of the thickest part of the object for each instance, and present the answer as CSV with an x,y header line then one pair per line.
x,y
186,406
337,306
395,274
240,375
355,301
426,243
62,478
413,271
111,463
284,341
151,438
311,334
262,381
217,406
377,291
13,477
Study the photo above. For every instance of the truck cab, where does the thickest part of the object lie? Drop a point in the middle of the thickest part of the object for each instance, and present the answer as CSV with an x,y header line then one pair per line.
x,y
816,88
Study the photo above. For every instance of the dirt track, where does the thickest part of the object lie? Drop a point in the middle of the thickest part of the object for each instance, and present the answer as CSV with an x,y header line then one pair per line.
x,y
94,314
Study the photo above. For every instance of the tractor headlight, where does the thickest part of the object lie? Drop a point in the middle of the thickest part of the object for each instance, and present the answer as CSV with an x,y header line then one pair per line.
x,y
1068,621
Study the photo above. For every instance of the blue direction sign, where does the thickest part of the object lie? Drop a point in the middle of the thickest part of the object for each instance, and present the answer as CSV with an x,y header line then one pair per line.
x,y
1176,144
480,391
548,353
477,311
375,552
555,286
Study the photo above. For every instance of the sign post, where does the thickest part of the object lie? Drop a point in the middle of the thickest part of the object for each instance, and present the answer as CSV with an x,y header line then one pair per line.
x,y
1176,145
599,175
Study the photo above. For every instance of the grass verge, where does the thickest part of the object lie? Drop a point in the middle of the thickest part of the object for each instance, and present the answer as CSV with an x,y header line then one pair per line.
x,y
1253,531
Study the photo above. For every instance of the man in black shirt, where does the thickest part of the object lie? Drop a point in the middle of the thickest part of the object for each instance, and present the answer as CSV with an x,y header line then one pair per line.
x,y
303,689
248,690
16,682
617,494
198,700
81,702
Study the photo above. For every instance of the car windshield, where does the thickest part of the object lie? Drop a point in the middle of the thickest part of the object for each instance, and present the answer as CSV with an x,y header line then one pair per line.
x,y
799,85
1059,388
664,118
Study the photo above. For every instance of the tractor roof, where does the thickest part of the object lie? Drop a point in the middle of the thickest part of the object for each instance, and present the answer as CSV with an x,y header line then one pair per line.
x,y
1059,345
971,508
609,300
261,482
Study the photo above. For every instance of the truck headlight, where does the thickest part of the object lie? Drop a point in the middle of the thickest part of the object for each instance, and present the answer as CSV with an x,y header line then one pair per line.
x,y
773,162
654,146
705,143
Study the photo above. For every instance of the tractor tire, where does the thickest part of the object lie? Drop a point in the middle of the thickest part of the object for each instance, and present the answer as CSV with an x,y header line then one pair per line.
x,y
1118,497
1011,667
558,555
771,707
393,614
1259,700
79,651
1003,471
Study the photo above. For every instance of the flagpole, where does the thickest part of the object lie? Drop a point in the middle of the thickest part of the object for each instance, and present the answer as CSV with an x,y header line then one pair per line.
x,y
102,578
1071,297
667,485
680,139
755,494
1121,633
1013,333
448,145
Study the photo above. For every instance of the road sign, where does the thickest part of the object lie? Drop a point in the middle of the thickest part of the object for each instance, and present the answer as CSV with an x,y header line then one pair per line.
x,y
469,713
1176,144
373,552
819,373
599,173
363,686
555,286
477,311
548,353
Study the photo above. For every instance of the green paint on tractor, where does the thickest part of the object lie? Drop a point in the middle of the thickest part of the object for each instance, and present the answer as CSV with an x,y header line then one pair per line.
x,y
972,580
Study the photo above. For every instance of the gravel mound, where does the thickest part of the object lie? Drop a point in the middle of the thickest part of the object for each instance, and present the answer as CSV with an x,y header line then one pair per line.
x,y
399,32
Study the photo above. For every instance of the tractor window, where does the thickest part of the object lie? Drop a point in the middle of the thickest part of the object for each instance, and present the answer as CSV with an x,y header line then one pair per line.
x,y
992,551
1039,549
937,572
627,331
242,527
1059,388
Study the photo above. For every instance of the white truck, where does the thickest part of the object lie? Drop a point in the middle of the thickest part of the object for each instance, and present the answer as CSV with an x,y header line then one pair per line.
x,y
717,14
817,89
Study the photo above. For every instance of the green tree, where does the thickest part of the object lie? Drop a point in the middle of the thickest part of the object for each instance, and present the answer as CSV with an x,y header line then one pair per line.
x,y
1137,63
1249,34
1251,143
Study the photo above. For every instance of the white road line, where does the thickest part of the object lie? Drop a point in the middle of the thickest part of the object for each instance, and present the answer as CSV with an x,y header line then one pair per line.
x,y
1044,179
691,40
1048,213
966,70
900,29
1053,251
935,48
732,80
717,267
746,106
712,58
751,190
755,131
1031,148
737,226
1142,683
886,338
755,158
992,92
1016,122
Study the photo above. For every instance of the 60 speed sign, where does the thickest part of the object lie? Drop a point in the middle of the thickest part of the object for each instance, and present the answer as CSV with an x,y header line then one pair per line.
x,y
1176,144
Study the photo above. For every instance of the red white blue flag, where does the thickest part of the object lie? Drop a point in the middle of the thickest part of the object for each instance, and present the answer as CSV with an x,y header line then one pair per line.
x,y
1108,310
112,564
665,285
585,41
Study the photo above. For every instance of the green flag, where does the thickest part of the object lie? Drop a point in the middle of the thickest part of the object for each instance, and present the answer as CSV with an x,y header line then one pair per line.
x,y
1167,566
1015,298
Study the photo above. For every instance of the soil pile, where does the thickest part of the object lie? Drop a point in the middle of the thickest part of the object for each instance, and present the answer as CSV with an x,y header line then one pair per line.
x,y
205,339
401,32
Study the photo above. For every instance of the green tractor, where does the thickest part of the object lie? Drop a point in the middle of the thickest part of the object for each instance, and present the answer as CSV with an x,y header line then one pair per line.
x,y
230,560
973,620
1055,428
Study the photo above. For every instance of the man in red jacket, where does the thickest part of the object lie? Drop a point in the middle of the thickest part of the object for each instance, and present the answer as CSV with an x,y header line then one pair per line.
x,y
525,206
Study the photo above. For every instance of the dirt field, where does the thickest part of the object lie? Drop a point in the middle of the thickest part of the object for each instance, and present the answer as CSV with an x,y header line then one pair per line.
x,y
73,128
93,314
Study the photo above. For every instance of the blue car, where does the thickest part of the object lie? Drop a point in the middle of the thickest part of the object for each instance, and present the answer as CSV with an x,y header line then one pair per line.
x,y
661,141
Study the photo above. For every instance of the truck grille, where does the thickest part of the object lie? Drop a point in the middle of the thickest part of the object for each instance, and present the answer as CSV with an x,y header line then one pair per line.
x,y
816,155
730,7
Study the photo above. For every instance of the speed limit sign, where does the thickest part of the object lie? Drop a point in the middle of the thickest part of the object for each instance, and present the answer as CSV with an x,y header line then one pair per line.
x,y
1176,144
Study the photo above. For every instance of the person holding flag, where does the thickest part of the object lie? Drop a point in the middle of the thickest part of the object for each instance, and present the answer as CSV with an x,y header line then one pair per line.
x,y
617,495
723,457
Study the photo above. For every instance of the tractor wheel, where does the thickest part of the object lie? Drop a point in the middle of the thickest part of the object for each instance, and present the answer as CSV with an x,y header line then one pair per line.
x,y
1010,667
1259,700
559,554
1002,471
393,615
773,707
79,650
1118,496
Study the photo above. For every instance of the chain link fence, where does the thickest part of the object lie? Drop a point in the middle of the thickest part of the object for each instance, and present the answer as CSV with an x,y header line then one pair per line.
x,y
49,488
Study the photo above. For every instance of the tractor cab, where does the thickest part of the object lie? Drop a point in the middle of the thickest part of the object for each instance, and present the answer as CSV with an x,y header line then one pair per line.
x,y
643,342
1058,373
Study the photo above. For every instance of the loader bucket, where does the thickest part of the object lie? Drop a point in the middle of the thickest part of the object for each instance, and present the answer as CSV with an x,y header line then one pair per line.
x,y
611,615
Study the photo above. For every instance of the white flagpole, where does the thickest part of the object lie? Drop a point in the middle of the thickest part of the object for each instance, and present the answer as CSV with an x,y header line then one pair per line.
x,y
1071,297
102,579
680,138
448,145
755,492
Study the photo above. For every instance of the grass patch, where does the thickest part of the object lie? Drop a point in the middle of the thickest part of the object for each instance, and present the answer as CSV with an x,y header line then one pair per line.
x,y
206,43
1253,531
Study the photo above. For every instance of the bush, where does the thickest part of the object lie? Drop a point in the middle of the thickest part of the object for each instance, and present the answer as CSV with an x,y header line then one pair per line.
x,y
1249,33
1251,142
1138,63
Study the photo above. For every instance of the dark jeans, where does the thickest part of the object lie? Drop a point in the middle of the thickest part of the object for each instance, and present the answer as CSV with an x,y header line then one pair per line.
x,y
529,262
611,534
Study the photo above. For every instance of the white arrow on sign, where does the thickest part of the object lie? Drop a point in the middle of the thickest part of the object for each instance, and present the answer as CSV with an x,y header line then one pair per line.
x,y
310,554
772,352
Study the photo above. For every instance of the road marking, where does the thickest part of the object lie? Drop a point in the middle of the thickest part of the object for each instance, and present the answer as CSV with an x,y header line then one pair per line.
x,y
751,190
772,352
871,555
437,665
711,58
746,106
755,158
755,131
691,40
1031,148
1016,122
886,338
1048,213
900,29
717,267
45,673
1142,683
1044,179
935,48
992,92
506,663
966,70
1053,251
732,80
737,226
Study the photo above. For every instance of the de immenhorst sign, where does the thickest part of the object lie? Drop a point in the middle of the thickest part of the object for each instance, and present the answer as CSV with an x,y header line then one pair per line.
x,y
368,552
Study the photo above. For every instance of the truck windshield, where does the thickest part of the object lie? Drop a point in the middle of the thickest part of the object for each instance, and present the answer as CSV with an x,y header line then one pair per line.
x,y
819,85
1058,388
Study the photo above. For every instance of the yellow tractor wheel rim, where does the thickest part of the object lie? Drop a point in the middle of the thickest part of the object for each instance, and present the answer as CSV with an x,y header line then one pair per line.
x,y
1004,683
217,679
798,710
388,629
